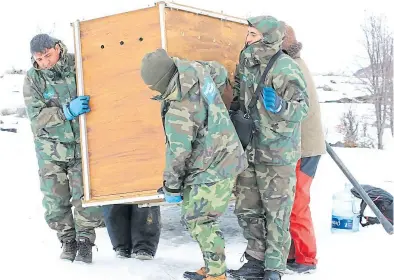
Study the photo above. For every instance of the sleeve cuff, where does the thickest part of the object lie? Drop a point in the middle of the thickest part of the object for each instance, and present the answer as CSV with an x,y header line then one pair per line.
x,y
171,191
67,113
282,107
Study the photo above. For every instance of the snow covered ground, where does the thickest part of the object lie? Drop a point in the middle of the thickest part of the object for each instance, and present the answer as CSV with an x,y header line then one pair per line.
x,y
30,249
333,87
11,87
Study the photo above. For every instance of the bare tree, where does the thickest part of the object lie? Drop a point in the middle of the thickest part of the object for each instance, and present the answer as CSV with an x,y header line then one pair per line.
x,y
349,128
50,31
378,42
388,68
391,99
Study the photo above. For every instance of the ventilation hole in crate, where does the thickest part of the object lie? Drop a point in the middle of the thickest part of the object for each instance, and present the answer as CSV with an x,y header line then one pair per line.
x,y
102,46
121,43
141,39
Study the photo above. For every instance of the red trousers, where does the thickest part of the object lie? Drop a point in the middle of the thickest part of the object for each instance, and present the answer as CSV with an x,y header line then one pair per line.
x,y
303,245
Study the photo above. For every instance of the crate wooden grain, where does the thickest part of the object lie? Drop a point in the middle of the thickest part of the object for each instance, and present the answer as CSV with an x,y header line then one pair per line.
x,y
122,137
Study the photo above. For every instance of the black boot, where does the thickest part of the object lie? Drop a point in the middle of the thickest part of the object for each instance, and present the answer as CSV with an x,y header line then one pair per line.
x,y
122,253
253,269
271,275
143,255
69,250
84,250
300,268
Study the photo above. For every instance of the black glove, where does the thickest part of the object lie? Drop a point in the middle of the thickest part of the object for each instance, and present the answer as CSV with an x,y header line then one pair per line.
x,y
235,105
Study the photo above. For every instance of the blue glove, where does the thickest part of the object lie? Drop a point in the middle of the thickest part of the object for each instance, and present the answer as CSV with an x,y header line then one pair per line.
x,y
76,107
272,102
172,198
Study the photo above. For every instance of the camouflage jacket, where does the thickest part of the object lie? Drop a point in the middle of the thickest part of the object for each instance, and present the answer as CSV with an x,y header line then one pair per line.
x,y
202,145
277,137
45,92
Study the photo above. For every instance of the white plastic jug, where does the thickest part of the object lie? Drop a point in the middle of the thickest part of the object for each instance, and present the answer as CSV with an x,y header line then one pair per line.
x,y
345,211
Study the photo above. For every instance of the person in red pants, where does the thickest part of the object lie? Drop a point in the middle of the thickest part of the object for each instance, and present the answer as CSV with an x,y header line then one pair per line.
x,y
302,256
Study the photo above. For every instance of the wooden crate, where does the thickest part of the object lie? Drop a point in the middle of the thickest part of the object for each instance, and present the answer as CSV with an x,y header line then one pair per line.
x,y
122,137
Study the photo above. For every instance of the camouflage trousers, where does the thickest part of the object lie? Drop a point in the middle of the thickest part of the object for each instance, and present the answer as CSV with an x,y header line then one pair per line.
x,y
264,200
61,185
202,206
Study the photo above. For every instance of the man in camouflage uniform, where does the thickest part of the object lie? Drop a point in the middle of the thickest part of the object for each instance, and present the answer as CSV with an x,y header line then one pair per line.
x,y
265,191
203,154
53,108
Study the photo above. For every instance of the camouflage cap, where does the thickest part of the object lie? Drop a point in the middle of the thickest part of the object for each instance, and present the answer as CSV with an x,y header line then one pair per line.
x,y
273,30
157,69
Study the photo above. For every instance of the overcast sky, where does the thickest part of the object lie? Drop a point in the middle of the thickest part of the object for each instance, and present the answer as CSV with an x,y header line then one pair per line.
x,y
329,30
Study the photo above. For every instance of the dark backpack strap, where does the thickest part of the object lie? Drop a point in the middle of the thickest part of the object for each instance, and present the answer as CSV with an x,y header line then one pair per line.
x,y
164,110
369,220
255,96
